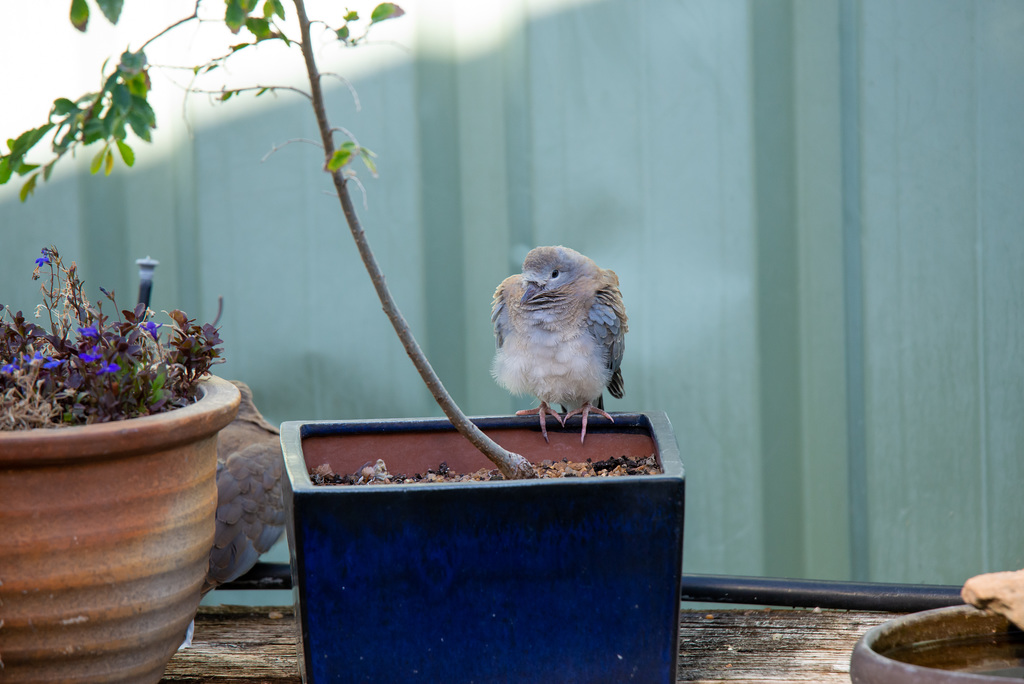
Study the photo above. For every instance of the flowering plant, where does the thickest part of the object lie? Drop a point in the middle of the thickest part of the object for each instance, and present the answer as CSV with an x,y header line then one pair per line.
x,y
88,368
122,103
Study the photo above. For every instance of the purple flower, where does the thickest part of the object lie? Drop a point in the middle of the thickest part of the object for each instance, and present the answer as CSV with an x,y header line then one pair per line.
x,y
109,368
51,363
91,331
41,261
9,367
152,328
90,356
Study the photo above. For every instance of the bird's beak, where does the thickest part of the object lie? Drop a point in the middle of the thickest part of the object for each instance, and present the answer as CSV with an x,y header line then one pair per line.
x,y
532,289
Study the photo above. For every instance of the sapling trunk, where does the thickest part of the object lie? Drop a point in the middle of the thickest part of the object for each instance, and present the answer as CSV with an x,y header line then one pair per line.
x,y
511,465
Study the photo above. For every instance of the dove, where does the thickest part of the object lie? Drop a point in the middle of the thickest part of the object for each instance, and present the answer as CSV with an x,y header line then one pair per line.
x,y
559,329
250,513
250,505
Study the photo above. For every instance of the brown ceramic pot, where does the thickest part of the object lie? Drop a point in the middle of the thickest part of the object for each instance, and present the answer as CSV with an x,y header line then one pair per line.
x,y
105,536
956,645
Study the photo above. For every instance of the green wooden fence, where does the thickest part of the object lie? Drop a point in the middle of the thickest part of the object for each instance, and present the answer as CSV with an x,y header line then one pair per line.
x,y
816,210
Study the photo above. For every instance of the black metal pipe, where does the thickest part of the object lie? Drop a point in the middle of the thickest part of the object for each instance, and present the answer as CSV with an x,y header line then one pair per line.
x,y
762,591
146,268
801,593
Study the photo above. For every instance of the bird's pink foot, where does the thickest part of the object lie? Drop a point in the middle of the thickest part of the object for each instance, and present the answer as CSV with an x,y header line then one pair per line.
x,y
541,411
585,411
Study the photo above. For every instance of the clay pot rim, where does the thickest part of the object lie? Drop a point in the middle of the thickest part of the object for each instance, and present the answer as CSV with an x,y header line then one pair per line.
x,y
868,665
216,408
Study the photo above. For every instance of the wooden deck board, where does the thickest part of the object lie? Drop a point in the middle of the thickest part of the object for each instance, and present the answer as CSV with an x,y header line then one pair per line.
x,y
242,645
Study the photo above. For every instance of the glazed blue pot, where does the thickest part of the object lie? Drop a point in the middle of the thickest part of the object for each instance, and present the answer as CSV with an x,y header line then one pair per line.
x,y
552,580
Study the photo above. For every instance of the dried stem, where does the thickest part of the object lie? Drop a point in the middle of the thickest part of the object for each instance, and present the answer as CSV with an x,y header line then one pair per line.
x,y
511,465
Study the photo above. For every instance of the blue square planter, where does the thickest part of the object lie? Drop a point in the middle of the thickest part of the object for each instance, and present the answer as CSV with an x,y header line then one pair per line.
x,y
556,580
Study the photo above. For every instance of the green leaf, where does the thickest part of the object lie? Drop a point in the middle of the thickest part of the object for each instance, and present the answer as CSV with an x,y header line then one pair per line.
x,y
63,106
74,125
340,157
234,15
343,33
108,85
132,62
141,105
226,95
5,170
28,188
121,97
352,15
259,28
109,122
368,156
93,130
138,84
384,11
127,153
119,124
48,169
111,9
109,163
272,7
97,161
79,16
24,169
139,125
27,140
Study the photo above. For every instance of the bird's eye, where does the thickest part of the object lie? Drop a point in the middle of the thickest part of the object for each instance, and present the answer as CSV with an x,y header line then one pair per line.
x,y
554,274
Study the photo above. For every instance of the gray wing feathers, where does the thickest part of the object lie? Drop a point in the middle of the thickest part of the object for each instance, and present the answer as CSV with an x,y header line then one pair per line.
x,y
250,508
607,323
250,517
499,314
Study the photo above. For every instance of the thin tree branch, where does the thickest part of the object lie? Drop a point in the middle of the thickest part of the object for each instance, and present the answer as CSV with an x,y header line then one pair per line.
x,y
194,15
347,84
511,465
286,143
348,134
246,89
366,43
355,179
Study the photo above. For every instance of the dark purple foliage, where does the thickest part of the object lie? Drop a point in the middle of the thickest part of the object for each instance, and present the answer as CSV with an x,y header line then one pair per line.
x,y
88,368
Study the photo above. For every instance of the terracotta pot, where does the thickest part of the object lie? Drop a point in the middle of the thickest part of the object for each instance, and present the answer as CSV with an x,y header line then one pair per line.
x,y
105,536
555,580
944,646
